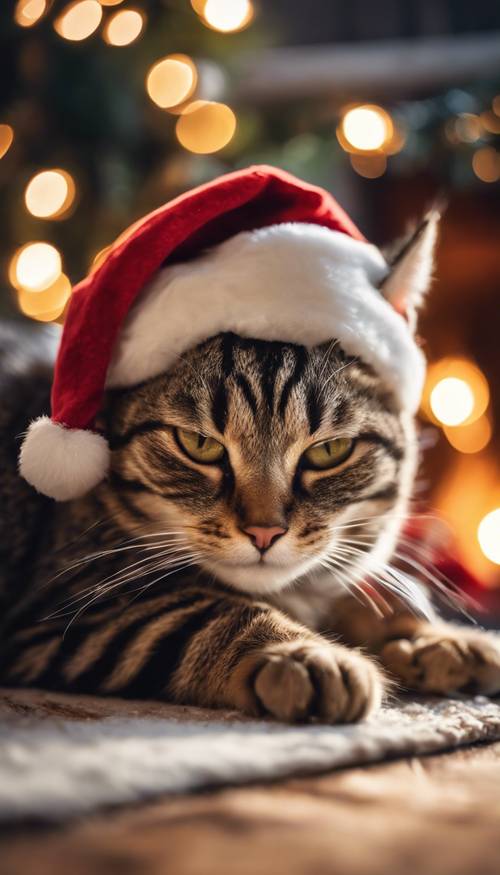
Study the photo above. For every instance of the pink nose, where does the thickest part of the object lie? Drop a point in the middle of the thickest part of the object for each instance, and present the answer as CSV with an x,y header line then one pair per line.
x,y
263,536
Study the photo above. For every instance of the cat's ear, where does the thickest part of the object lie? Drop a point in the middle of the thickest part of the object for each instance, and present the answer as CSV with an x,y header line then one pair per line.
x,y
411,265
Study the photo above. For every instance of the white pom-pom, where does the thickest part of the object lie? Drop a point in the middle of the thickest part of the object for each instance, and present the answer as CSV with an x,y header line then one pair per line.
x,y
60,462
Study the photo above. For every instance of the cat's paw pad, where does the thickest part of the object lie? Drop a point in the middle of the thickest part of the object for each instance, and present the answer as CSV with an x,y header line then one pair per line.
x,y
446,662
328,682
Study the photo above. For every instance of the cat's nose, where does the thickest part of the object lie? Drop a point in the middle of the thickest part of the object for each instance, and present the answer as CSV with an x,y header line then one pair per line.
x,y
263,537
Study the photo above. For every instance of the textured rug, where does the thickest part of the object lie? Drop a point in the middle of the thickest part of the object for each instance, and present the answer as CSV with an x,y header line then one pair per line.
x,y
61,756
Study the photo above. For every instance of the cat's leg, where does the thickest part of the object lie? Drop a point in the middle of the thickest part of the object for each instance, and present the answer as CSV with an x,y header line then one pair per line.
x,y
425,656
260,661
199,647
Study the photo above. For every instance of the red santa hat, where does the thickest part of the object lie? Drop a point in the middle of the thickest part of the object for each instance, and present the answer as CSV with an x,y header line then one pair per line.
x,y
257,252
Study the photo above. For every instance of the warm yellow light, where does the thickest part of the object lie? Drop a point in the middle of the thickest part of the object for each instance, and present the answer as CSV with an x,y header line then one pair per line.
x,y
110,2
79,20
171,81
198,6
123,27
471,437
35,267
465,371
227,15
366,128
99,257
28,12
369,166
48,305
205,127
452,401
486,164
49,194
6,138
488,535
491,122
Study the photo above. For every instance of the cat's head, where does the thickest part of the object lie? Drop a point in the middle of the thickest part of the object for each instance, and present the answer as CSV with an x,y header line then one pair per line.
x,y
264,461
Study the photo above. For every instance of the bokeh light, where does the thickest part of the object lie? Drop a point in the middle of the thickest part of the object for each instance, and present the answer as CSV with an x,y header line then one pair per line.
x,y
470,438
488,535
369,166
28,12
486,164
79,20
452,401
453,397
50,194
6,138
227,16
110,2
123,27
467,127
46,306
366,128
490,122
198,6
205,127
35,267
171,81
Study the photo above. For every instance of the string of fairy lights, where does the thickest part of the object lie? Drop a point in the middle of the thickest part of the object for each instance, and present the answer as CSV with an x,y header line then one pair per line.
x,y
457,395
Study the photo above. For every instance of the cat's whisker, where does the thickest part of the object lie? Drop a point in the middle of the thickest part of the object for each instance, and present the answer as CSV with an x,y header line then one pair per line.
x,y
85,607
137,568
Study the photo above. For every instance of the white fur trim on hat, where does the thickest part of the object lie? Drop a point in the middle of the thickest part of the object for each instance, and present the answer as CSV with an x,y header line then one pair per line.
x,y
60,462
295,282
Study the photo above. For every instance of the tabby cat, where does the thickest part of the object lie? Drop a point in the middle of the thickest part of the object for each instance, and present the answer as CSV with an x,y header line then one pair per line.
x,y
252,489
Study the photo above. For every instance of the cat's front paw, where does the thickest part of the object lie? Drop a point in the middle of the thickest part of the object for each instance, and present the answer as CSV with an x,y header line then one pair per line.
x,y
303,681
447,660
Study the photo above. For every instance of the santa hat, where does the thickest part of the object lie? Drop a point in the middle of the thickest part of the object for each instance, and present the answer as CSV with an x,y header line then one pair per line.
x,y
257,252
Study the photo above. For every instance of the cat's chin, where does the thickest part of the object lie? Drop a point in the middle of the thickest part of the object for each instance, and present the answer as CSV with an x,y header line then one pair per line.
x,y
259,577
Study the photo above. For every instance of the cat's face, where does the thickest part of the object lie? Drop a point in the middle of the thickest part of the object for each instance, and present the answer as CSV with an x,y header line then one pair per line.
x,y
250,435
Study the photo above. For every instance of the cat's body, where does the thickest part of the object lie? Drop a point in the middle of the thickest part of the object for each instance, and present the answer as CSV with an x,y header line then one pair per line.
x,y
156,584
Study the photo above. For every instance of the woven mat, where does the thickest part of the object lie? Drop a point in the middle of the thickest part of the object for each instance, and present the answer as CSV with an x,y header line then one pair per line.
x,y
62,756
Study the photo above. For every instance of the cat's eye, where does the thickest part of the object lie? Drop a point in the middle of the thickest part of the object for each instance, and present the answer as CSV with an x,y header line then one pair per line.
x,y
328,454
199,447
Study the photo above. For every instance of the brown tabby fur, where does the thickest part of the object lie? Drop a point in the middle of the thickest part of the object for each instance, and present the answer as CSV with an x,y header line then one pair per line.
x,y
149,587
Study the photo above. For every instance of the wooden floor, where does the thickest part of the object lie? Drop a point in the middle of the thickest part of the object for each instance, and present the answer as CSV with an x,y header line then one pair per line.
x,y
437,815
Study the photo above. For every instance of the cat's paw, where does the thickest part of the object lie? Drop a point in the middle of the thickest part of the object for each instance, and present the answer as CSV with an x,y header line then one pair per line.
x,y
447,660
303,681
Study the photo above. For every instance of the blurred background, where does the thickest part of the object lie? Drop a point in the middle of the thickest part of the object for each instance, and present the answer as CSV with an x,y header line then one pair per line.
x,y
110,108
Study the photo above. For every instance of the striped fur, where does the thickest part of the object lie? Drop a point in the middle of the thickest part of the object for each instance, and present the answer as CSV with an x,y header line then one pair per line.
x,y
149,586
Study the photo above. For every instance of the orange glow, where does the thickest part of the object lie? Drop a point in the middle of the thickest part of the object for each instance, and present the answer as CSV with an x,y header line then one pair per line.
x,y
28,12
369,166
171,81
488,535
123,27
48,305
455,393
486,164
205,127
471,438
35,267
99,257
227,16
463,498
365,128
6,139
452,401
49,194
79,20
